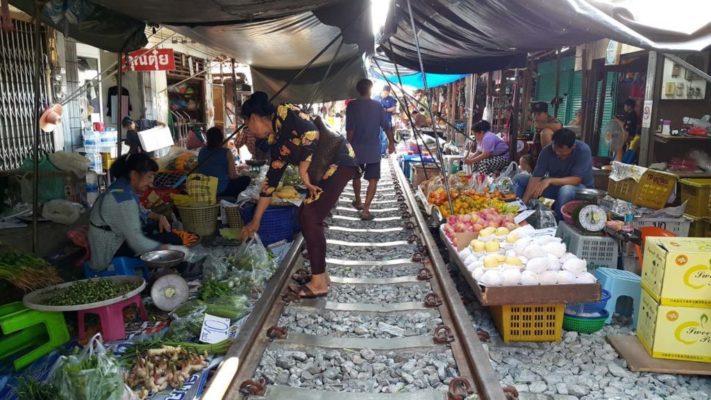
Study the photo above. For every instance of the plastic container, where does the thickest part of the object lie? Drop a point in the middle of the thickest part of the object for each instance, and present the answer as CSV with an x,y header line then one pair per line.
x,y
598,306
678,226
201,220
697,193
581,324
652,190
278,223
568,209
598,251
529,322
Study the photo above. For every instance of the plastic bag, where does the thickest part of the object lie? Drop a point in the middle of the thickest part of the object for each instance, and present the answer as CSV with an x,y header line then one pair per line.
x,y
62,211
94,374
73,162
254,256
543,217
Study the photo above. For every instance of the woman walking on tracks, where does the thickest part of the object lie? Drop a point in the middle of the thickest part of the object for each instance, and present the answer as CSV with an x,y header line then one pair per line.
x,y
326,163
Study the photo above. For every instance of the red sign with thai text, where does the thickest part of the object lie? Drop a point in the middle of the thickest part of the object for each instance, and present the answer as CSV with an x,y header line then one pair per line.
x,y
150,60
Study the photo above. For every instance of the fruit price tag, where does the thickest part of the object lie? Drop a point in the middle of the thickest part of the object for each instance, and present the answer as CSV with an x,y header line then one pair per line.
x,y
214,329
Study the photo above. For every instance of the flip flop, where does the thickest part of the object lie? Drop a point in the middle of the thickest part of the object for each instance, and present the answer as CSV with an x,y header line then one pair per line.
x,y
356,205
309,294
368,217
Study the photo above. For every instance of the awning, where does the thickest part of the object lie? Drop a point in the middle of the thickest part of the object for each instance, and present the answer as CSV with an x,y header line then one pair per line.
x,y
480,36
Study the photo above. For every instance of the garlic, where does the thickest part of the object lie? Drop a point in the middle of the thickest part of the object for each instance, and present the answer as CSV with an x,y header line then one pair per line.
x,y
585,277
537,265
548,278
529,278
554,248
554,263
492,278
565,277
575,265
533,251
511,277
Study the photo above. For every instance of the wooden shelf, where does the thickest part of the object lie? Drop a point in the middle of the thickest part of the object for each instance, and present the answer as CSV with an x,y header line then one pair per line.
x,y
666,139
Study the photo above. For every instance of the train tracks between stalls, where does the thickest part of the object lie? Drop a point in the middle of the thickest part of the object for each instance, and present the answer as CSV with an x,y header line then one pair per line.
x,y
392,327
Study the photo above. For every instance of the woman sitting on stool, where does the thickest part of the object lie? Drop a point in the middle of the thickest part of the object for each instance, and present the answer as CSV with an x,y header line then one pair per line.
x,y
219,162
492,153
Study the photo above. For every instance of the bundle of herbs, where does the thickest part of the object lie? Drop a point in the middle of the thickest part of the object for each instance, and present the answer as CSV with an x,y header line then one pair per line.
x,y
26,271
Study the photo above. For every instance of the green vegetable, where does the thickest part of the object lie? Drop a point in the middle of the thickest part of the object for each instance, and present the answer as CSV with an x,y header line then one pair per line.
x,y
213,288
31,389
26,271
90,291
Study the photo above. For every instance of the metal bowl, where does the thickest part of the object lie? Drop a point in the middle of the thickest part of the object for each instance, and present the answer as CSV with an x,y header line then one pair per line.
x,y
163,258
590,195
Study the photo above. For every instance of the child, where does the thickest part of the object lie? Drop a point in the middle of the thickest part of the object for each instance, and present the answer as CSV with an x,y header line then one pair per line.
x,y
525,163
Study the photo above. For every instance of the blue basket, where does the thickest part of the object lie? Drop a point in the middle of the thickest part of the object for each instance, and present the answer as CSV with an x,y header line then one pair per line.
x,y
278,222
588,308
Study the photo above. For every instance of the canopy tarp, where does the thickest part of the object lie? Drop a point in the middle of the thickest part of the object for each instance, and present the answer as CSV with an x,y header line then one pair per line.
x,y
433,80
481,36
276,38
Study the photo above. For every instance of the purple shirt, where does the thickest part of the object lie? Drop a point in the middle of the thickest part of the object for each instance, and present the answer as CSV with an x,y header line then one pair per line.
x,y
493,145
365,117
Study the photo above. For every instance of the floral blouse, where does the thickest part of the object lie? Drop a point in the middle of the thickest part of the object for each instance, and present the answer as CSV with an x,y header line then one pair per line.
x,y
294,141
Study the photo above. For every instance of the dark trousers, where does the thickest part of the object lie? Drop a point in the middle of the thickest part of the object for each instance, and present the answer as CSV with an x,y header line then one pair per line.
x,y
311,216
236,186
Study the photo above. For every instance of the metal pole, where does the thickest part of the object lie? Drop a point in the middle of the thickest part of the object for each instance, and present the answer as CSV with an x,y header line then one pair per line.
x,y
515,109
429,102
234,88
557,84
688,66
35,125
119,104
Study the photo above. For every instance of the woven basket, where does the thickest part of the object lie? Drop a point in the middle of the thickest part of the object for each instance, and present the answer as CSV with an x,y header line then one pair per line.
x,y
201,220
234,218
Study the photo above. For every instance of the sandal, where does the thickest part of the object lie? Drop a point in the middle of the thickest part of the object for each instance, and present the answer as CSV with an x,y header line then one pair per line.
x,y
307,293
357,206
366,217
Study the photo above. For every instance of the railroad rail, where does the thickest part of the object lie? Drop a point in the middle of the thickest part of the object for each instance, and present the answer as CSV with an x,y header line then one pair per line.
x,y
359,267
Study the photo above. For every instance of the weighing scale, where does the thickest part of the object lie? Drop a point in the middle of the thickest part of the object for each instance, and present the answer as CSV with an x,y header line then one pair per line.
x,y
589,218
170,290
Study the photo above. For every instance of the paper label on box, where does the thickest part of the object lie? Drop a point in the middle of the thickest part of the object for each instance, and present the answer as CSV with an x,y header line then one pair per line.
x,y
214,329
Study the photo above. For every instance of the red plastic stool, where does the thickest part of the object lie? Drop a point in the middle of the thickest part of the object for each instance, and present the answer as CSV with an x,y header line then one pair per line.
x,y
111,318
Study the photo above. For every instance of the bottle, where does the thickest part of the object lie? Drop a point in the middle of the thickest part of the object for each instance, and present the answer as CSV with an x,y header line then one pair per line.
x,y
92,188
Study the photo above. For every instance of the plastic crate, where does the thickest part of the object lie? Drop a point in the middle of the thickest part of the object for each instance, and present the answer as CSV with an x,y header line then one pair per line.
x,y
652,190
585,324
699,227
697,194
677,226
529,322
278,223
598,251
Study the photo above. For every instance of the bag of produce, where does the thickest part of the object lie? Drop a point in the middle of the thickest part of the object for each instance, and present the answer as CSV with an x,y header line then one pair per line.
x,y
255,257
94,374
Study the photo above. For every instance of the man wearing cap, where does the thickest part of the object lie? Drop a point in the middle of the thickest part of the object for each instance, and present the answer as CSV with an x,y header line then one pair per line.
x,y
545,124
132,128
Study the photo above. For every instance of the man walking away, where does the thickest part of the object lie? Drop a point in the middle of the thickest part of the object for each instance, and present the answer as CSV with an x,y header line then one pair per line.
x,y
390,105
364,119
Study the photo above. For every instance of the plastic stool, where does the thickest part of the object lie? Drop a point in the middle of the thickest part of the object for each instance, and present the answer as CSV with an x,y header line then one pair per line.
x,y
620,283
119,266
25,329
111,318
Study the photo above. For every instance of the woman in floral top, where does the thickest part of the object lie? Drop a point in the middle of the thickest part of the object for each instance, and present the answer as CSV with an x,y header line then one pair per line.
x,y
293,139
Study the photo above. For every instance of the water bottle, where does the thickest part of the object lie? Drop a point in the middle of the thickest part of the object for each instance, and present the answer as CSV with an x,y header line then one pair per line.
x,y
92,188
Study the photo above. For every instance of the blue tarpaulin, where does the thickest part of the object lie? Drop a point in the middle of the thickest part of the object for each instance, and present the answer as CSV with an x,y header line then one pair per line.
x,y
433,80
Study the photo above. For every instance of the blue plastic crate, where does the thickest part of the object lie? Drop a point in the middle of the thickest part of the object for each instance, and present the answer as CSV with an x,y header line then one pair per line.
x,y
278,222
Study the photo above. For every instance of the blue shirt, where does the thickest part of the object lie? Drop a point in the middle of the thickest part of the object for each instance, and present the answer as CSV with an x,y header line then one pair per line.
x,y
578,163
215,166
387,102
365,117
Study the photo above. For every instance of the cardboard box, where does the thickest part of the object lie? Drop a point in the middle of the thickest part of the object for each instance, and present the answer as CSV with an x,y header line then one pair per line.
x,y
673,332
417,174
677,271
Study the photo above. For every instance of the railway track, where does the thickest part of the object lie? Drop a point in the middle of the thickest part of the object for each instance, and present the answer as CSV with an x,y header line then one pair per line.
x,y
392,327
